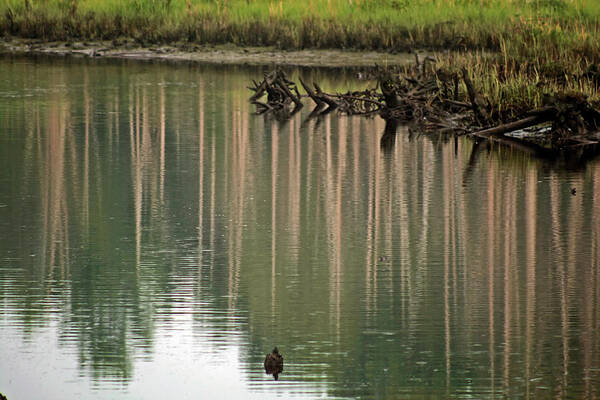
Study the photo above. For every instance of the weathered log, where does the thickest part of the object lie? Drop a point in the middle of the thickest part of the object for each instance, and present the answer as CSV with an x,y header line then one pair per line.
x,y
513,126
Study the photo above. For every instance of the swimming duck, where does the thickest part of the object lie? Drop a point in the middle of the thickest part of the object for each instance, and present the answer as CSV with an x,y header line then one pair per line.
x,y
274,363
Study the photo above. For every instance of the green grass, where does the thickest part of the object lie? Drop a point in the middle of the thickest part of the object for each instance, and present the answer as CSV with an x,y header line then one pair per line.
x,y
537,45
357,24
514,86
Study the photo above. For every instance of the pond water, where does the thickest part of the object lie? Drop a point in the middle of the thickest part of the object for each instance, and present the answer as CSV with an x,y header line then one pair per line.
x,y
157,239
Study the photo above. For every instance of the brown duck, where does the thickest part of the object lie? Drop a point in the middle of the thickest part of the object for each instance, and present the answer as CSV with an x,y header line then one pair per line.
x,y
274,363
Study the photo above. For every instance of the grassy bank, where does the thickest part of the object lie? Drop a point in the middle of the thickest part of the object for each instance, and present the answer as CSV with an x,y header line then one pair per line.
x,y
357,24
515,85
540,45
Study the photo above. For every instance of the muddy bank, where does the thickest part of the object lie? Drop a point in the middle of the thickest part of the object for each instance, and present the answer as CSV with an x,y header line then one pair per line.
x,y
223,54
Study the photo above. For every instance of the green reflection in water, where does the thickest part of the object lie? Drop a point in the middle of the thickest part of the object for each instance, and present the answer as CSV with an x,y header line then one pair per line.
x,y
153,228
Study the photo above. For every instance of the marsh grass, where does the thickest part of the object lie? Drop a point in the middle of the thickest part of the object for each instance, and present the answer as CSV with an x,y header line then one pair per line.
x,y
357,24
514,86
532,47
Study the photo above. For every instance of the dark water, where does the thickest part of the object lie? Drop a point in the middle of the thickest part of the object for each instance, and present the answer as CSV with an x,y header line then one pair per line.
x,y
157,239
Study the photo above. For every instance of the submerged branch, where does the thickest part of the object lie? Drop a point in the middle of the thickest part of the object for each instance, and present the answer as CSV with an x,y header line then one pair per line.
x,y
512,126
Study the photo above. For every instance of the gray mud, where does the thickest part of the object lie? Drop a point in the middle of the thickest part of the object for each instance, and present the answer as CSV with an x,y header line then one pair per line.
x,y
222,54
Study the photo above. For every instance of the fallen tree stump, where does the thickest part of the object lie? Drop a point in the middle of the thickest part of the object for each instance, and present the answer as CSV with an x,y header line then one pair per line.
x,y
501,129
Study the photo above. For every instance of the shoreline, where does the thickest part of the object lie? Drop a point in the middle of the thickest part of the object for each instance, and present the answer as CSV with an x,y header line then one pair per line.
x,y
500,112
516,53
217,54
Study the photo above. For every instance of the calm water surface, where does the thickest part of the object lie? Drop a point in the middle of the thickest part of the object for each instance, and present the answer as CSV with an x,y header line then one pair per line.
x,y
157,239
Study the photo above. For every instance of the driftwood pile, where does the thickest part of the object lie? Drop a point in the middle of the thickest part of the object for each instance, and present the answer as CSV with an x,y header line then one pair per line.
x,y
433,100
413,96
